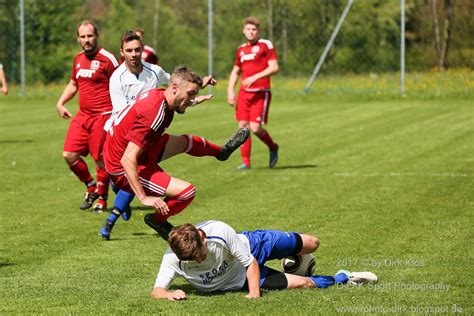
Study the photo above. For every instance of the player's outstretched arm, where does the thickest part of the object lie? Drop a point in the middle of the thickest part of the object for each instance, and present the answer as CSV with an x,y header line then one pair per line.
x,y
253,279
68,93
160,293
208,80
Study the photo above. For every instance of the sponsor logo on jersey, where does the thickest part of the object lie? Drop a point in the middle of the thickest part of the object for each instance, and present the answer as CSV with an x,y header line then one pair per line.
x,y
255,49
246,57
95,64
85,73
78,65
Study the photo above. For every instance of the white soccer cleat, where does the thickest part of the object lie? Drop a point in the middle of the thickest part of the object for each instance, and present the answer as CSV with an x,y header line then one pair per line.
x,y
358,278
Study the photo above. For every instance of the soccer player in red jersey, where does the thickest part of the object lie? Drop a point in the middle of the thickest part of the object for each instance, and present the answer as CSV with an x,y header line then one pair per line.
x,y
90,76
136,143
256,61
148,54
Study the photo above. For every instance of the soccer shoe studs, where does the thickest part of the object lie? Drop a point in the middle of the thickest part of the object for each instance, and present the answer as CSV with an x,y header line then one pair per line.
x,y
89,199
233,143
163,229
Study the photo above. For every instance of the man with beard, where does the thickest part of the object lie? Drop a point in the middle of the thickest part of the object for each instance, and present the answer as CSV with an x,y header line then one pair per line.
x,y
137,142
90,76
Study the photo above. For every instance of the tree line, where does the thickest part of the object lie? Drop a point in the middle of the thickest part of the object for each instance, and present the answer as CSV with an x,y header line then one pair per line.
x,y
438,33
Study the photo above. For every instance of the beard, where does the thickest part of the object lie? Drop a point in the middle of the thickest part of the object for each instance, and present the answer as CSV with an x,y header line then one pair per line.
x,y
89,47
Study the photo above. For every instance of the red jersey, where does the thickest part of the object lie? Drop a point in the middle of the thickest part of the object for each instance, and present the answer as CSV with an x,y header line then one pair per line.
x,y
141,123
149,55
91,74
252,59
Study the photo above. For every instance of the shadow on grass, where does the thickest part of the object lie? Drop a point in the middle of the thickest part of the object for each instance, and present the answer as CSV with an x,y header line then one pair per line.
x,y
189,289
291,167
142,208
6,264
15,141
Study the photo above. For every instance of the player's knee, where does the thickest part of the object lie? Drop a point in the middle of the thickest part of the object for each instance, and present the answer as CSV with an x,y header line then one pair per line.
x,y
256,129
311,243
70,157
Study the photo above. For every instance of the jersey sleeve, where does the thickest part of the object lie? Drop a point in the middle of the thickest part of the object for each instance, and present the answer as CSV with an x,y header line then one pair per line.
x,y
271,54
236,246
168,270
163,76
117,95
237,59
73,72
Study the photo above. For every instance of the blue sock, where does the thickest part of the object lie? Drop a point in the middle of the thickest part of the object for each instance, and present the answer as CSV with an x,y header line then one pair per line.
x,y
322,281
113,216
123,200
341,278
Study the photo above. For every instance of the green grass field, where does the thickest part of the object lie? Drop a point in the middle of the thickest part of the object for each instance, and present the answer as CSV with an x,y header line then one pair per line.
x,y
386,183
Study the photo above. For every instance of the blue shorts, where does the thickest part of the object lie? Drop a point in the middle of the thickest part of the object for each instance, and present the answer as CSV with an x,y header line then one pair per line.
x,y
267,245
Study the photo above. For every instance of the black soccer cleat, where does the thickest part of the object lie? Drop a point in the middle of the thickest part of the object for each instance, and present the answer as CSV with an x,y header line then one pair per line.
x,y
163,229
233,143
105,230
89,199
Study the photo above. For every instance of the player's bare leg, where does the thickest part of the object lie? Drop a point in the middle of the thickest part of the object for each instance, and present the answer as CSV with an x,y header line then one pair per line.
x,y
79,167
310,244
265,137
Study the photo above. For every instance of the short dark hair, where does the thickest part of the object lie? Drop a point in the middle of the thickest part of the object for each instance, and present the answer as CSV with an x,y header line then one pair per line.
x,y
86,22
252,20
185,73
129,36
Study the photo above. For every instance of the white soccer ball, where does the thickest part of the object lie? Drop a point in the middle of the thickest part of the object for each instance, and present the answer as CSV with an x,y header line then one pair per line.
x,y
303,265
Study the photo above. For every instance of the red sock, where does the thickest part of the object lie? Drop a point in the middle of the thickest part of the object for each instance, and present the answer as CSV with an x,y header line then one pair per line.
x,y
80,169
245,150
177,203
198,146
266,138
102,182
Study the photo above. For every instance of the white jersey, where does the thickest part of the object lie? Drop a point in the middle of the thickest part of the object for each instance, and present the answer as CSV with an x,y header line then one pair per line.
x,y
228,255
124,86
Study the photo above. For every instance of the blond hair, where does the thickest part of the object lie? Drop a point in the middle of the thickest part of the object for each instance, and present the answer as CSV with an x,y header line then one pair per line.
x,y
252,20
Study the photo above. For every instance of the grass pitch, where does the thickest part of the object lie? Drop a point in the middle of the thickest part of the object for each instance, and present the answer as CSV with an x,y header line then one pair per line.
x,y
385,182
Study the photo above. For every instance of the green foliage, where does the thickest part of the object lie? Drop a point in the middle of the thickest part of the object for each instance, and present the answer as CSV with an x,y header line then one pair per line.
x,y
368,41
386,183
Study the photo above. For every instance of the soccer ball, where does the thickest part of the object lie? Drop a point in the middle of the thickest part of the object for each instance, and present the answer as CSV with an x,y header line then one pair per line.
x,y
303,265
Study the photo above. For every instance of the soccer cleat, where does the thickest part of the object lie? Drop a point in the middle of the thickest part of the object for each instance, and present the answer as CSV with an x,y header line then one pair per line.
x,y
233,143
358,278
99,208
242,167
106,230
163,229
273,157
89,199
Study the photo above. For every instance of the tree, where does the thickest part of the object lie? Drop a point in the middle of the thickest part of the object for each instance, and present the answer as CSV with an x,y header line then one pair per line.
x,y
441,51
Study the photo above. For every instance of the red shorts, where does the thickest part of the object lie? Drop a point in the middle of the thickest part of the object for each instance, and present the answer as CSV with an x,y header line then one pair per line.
x,y
86,135
154,180
253,106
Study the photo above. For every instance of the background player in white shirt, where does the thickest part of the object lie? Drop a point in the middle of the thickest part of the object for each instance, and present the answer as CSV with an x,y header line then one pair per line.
x,y
213,257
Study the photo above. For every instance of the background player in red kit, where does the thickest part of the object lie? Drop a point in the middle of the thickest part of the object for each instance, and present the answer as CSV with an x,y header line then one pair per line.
x,y
256,60
136,143
148,54
90,76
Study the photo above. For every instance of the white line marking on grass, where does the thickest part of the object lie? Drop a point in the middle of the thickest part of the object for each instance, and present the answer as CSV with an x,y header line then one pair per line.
x,y
402,174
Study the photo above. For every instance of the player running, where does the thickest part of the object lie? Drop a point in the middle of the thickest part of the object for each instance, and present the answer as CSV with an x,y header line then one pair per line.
x,y
90,77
